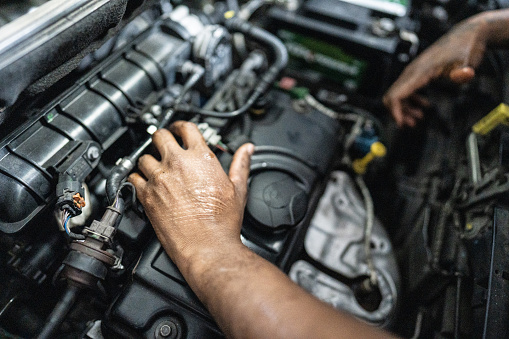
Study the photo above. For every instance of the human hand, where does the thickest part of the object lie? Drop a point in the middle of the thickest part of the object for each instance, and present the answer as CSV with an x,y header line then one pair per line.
x,y
454,56
190,201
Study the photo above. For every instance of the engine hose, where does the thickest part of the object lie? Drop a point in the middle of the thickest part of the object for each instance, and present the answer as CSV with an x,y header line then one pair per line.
x,y
118,173
233,5
247,125
280,55
58,314
119,205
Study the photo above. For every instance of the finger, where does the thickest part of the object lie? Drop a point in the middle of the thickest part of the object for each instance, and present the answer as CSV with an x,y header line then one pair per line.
x,y
419,100
165,142
139,183
239,169
191,136
147,164
408,121
402,90
462,75
394,106
412,79
414,112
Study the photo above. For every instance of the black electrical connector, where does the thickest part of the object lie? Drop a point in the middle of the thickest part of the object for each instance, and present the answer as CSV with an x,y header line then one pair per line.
x,y
88,261
70,195
81,159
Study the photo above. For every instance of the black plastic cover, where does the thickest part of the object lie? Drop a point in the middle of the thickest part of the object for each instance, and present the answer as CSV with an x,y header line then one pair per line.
x,y
158,291
293,154
93,110
276,200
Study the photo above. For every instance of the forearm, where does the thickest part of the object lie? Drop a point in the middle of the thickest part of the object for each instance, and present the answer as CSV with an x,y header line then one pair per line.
x,y
251,298
494,27
196,211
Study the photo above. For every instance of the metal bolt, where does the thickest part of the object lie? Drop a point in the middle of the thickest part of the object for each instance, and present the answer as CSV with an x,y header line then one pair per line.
x,y
93,153
165,330
156,110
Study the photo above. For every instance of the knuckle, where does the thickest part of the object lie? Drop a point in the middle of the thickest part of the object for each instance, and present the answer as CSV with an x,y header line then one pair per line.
x,y
157,134
142,159
158,176
188,125
178,124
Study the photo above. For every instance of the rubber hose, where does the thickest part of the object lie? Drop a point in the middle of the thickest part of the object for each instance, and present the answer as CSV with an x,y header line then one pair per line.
x,y
280,55
233,5
118,173
59,313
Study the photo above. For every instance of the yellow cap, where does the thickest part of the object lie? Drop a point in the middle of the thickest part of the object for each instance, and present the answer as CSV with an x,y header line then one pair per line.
x,y
229,14
500,115
378,149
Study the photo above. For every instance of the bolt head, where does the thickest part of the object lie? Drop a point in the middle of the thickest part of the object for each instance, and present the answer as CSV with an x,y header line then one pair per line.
x,y
93,153
165,330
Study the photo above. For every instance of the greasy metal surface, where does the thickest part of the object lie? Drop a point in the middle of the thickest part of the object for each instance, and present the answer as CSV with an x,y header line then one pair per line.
x,y
335,239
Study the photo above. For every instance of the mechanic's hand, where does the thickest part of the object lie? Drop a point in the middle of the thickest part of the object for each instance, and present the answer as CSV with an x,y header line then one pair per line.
x,y
454,56
190,201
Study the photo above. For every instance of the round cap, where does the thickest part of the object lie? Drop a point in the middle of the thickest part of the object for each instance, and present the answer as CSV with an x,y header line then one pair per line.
x,y
276,200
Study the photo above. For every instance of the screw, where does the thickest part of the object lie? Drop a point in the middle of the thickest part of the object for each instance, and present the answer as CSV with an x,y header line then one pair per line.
x,y
165,330
93,153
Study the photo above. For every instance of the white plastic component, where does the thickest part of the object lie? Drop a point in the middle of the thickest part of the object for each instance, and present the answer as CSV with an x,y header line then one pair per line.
x,y
151,129
209,134
190,21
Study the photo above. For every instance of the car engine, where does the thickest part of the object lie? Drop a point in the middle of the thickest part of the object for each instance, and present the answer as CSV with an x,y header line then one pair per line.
x,y
405,229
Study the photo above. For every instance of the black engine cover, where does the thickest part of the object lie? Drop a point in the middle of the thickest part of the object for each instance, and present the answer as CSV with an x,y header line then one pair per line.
x,y
287,176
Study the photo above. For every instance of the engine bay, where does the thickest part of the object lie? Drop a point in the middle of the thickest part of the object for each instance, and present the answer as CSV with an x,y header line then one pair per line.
x,y
405,229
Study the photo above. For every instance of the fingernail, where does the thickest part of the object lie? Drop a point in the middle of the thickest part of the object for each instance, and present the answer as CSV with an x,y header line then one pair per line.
x,y
250,149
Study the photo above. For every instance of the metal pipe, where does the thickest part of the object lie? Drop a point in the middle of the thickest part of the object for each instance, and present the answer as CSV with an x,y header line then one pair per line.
x,y
473,159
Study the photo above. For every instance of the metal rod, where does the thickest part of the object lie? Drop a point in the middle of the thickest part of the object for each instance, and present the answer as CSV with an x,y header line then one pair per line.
x,y
473,159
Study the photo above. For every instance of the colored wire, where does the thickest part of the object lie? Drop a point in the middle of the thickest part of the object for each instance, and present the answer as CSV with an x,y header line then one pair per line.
x,y
221,148
66,216
65,225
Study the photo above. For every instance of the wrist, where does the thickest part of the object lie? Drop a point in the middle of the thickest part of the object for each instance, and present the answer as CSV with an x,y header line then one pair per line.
x,y
195,261
480,25
491,27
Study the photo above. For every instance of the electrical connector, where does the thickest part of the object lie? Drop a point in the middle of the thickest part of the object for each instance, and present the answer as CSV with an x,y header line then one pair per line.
x,y
209,134
71,195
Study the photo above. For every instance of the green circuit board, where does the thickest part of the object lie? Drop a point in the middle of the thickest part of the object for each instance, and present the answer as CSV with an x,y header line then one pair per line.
x,y
393,7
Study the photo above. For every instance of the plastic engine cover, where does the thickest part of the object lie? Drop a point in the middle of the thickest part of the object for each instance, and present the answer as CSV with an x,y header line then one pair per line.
x,y
287,172
93,110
